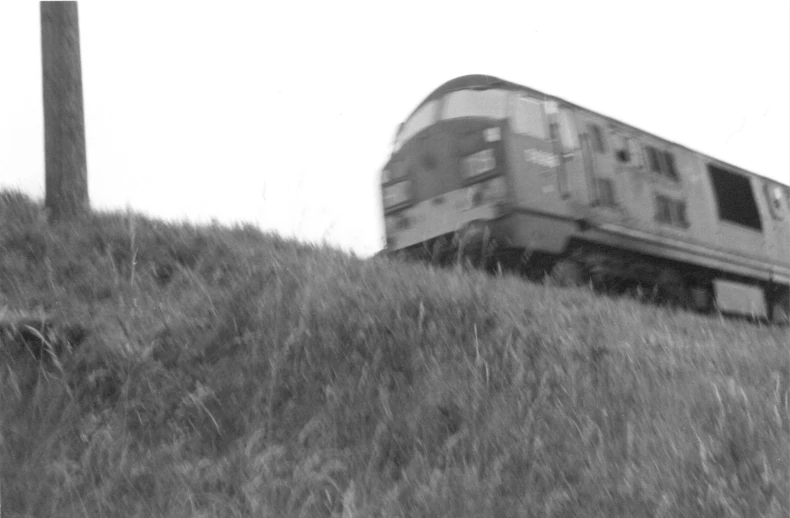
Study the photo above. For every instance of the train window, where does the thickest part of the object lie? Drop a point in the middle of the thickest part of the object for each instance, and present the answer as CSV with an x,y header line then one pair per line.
x,y
529,118
671,212
633,151
627,150
623,152
662,162
605,188
652,159
669,165
599,141
421,119
568,135
734,197
475,103
663,211
680,214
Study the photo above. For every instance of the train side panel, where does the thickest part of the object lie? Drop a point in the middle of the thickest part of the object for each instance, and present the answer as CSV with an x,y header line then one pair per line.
x,y
679,211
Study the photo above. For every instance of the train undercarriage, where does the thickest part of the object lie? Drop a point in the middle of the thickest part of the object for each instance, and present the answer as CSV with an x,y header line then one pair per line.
x,y
605,269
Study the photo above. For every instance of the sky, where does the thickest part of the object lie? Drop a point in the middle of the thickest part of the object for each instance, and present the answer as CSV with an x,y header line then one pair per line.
x,y
282,114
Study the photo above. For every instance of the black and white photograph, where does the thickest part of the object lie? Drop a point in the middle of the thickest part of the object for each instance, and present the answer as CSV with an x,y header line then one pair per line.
x,y
395,259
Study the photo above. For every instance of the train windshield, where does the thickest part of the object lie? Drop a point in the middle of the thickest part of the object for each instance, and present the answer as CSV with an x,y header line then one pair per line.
x,y
420,120
491,104
475,103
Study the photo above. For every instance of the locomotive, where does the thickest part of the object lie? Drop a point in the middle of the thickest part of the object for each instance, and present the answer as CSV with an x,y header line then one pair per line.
x,y
506,176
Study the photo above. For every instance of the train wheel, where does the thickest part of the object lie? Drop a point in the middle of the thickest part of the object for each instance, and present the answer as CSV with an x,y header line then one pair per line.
x,y
438,251
507,260
780,311
488,255
671,288
701,298
567,272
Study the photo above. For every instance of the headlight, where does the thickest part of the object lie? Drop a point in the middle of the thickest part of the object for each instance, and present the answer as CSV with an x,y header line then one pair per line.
x,y
492,134
490,191
397,194
395,223
390,223
479,163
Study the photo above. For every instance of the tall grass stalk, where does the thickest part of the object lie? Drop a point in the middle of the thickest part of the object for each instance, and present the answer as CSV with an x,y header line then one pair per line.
x,y
229,372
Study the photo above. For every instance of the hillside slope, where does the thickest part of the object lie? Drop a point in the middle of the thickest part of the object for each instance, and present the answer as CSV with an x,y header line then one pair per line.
x,y
224,372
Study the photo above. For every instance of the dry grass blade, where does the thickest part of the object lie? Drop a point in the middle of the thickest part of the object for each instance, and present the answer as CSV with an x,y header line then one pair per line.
x,y
233,373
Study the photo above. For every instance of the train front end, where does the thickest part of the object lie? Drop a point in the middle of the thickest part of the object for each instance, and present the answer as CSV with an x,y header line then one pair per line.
x,y
445,188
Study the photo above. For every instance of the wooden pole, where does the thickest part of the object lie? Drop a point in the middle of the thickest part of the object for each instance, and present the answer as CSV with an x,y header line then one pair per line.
x,y
66,183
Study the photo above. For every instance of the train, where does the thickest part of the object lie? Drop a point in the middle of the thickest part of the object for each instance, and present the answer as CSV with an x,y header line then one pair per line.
x,y
508,177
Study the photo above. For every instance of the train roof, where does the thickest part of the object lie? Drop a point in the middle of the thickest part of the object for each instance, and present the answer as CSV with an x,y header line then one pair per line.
x,y
483,81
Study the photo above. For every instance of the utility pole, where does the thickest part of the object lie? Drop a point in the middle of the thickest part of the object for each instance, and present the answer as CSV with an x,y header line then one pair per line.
x,y
66,183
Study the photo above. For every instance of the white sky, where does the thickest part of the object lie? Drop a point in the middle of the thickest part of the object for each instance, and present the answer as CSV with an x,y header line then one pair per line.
x,y
282,113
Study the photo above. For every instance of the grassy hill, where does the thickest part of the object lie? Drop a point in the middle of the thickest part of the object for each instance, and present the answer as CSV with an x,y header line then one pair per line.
x,y
225,372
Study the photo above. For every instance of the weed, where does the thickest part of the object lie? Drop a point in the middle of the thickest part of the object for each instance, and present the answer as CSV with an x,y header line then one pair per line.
x,y
232,373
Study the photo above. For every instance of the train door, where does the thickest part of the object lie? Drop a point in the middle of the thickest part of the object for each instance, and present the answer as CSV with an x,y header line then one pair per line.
x,y
598,184
628,177
532,154
599,166
589,168
571,178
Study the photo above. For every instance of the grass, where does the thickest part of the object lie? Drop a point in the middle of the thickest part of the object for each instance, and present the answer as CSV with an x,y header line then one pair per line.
x,y
233,373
